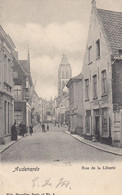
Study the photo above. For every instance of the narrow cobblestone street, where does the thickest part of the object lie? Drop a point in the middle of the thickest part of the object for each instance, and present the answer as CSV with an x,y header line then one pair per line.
x,y
54,146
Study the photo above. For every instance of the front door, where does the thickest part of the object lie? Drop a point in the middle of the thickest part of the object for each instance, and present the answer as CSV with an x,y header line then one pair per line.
x,y
97,127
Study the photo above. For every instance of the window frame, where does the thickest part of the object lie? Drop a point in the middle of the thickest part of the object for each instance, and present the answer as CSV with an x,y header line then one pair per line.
x,y
120,52
17,95
105,116
86,89
15,76
18,117
104,82
98,49
89,55
95,86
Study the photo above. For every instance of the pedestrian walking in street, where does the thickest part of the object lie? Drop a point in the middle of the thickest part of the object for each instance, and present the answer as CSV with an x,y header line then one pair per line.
x,y
55,123
47,127
31,129
43,128
22,127
14,132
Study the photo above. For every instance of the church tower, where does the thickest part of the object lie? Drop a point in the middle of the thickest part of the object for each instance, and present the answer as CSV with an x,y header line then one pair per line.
x,y
64,74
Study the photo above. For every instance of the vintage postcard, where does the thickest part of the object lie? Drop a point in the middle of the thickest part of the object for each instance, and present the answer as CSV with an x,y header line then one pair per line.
x,y
60,97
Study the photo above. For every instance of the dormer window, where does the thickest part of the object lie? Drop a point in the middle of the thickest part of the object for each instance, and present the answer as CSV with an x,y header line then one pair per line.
x,y
120,52
97,48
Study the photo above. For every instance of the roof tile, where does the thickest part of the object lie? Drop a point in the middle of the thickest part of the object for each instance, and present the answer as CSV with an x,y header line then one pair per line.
x,y
112,23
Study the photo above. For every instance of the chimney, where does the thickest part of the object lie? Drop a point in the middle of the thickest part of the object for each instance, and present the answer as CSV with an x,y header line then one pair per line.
x,y
93,4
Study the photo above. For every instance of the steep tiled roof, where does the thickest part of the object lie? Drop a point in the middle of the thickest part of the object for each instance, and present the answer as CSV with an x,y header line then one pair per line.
x,y
112,23
74,79
77,77
25,65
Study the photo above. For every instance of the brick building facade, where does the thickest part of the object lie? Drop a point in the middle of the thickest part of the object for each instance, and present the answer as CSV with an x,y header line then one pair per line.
x,y
7,49
102,74
76,104
22,91
36,108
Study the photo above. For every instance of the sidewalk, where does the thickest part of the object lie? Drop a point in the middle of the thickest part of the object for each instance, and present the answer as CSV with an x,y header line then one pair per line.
x,y
7,145
97,145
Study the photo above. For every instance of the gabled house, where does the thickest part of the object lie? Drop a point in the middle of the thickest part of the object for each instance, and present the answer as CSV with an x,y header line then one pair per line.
x,y
75,104
7,50
36,108
23,88
102,83
63,109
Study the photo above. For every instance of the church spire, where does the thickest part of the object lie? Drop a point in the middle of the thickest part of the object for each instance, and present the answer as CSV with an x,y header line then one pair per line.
x,y
64,59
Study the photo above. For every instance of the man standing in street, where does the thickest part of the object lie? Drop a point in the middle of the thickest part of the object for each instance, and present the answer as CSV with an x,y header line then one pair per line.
x,y
43,127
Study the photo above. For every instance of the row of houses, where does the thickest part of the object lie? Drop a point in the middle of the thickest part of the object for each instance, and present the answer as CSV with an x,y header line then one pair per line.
x,y
95,95
18,100
61,103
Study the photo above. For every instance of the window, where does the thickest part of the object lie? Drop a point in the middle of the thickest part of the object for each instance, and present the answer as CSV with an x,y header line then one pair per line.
x,y
89,54
117,117
98,48
8,115
17,92
87,89
95,86
15,74
104,82
18,117
5,69
120,52
88,116
5,113
104,121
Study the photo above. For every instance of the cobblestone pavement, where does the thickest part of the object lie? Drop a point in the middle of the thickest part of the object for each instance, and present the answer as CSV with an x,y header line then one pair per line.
x,y
54,146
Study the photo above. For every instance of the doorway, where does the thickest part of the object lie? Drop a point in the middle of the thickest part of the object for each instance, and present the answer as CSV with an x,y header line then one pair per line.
x,y
97,127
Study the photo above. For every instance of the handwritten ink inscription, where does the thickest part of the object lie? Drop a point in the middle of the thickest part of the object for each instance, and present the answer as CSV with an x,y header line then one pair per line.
x,y
60,184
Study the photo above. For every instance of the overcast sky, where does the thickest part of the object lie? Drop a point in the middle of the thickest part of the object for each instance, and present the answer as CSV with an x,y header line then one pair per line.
x,y
50,28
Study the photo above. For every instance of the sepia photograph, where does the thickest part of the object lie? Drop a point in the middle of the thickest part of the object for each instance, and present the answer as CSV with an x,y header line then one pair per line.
x,y
60,97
